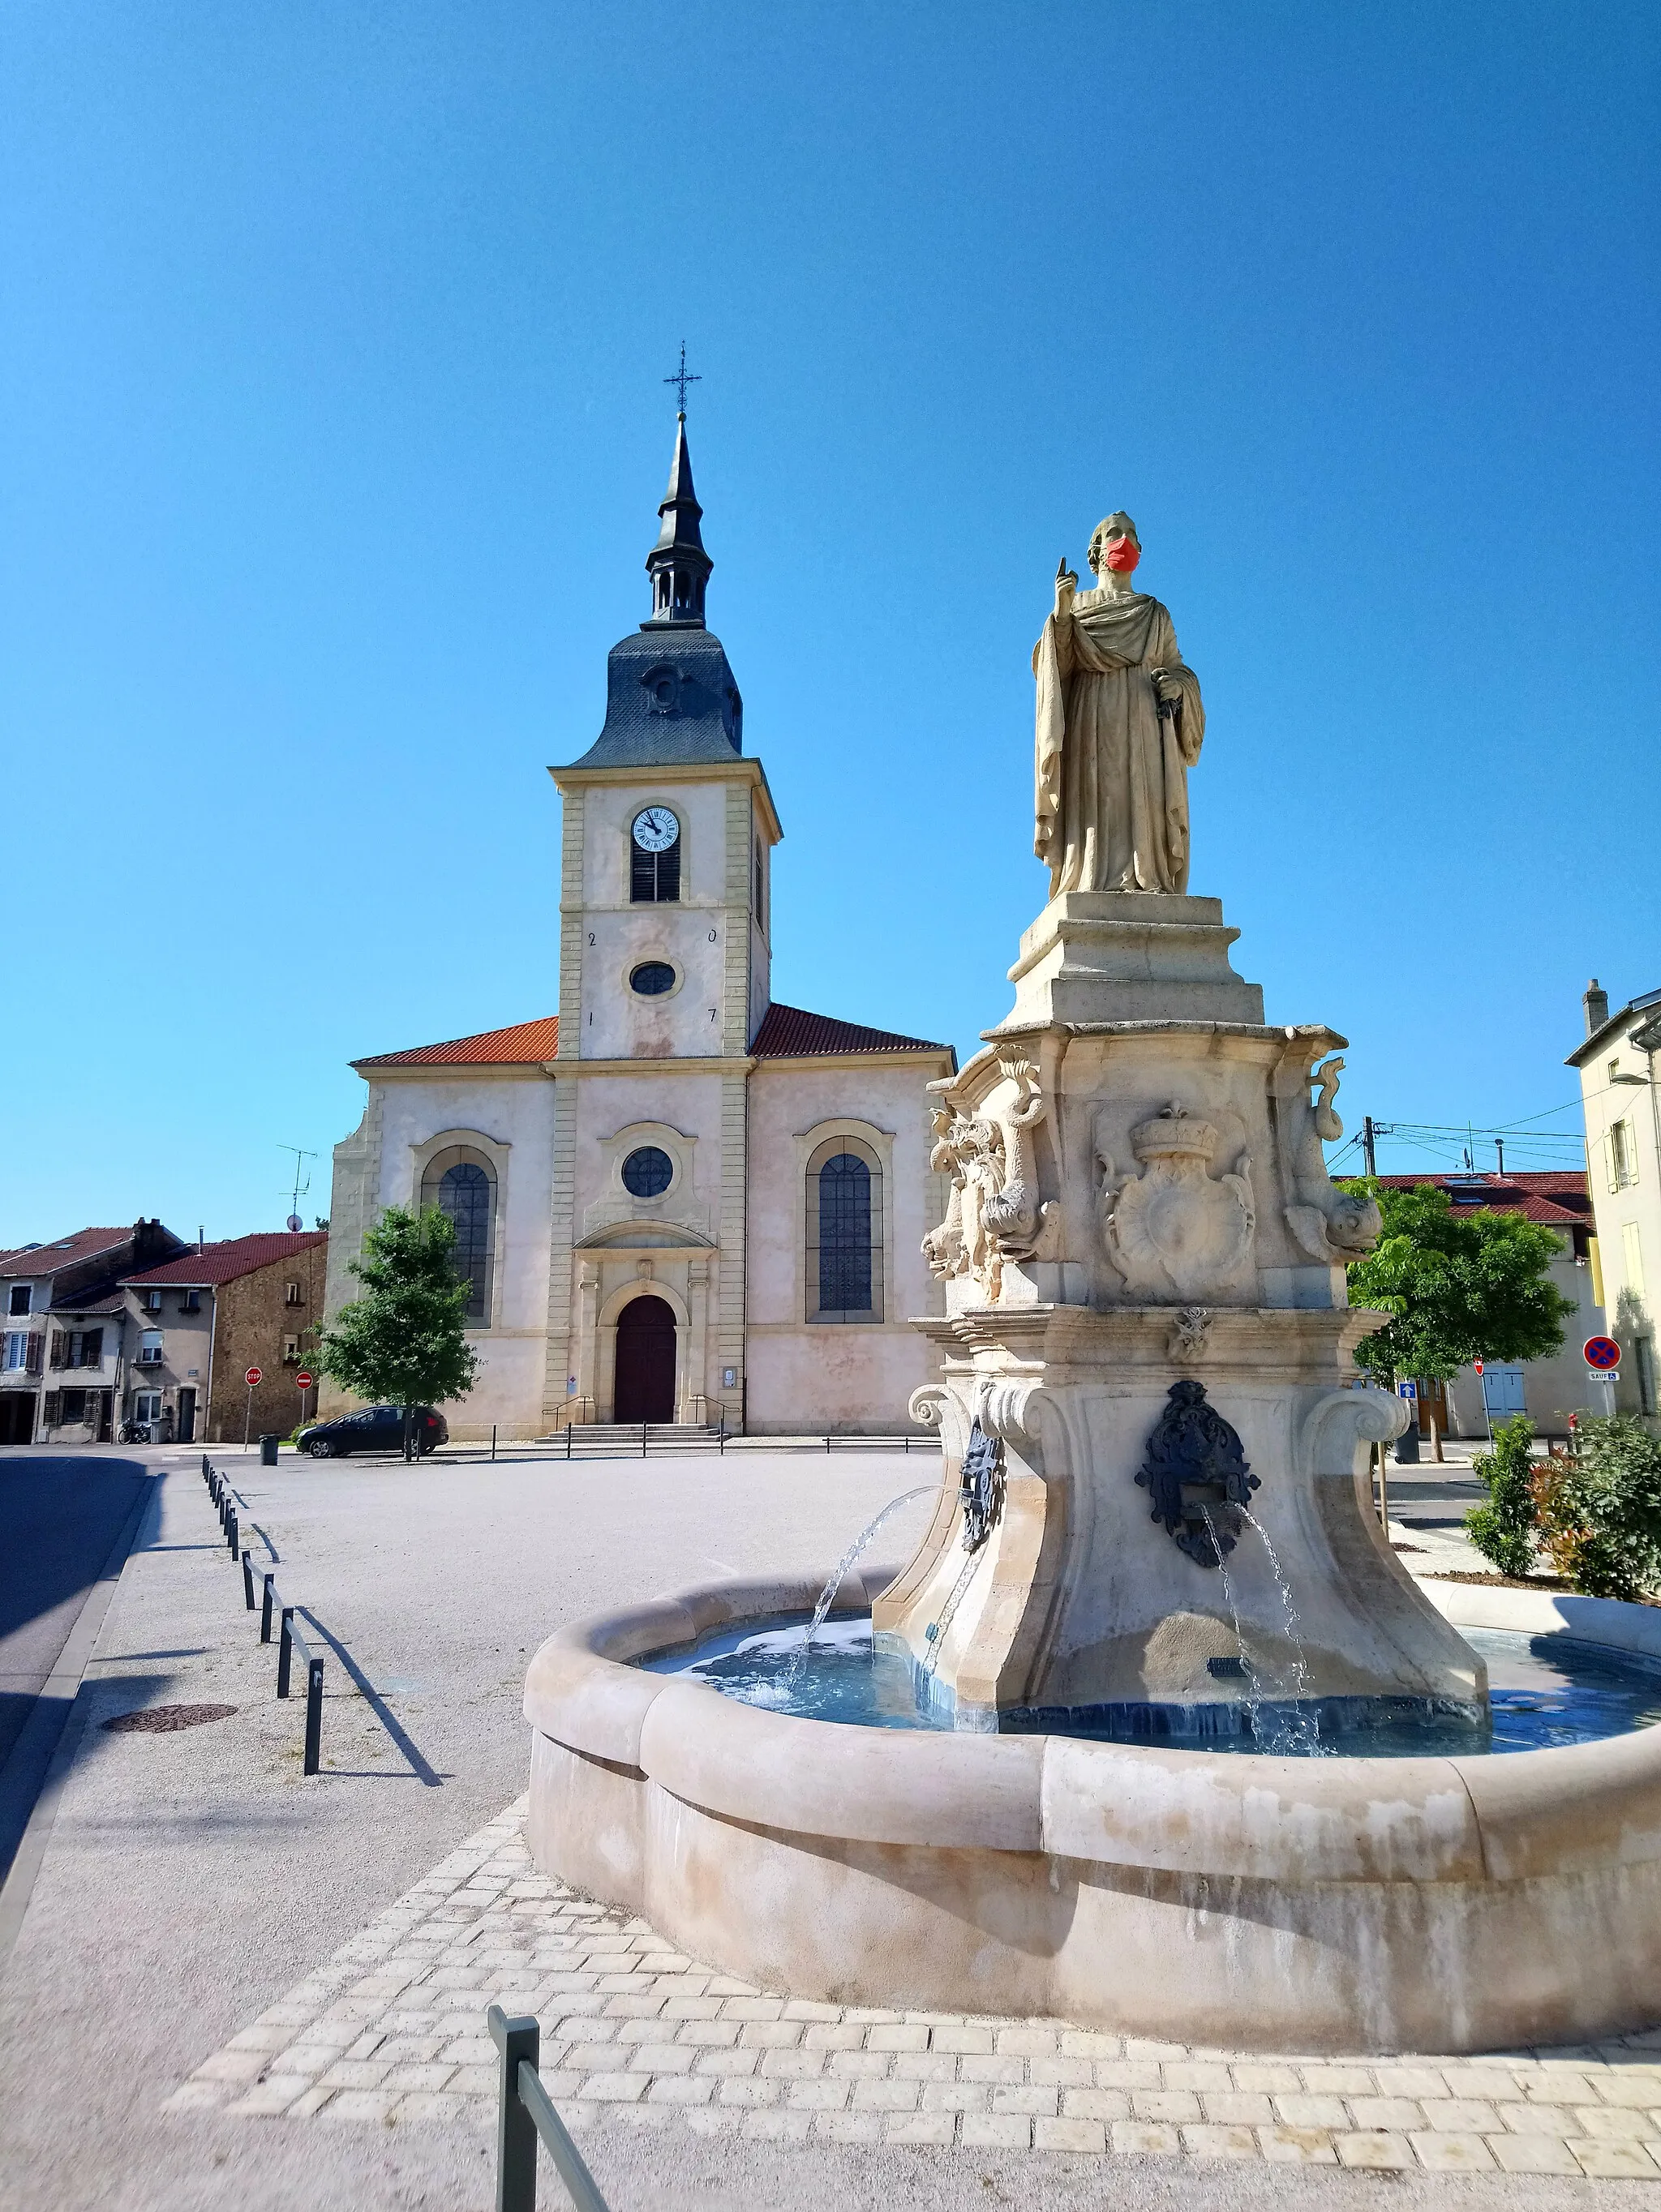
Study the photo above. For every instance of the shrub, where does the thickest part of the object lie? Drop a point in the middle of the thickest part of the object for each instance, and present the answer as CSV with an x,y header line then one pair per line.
x,y
1504,1530
1599,1516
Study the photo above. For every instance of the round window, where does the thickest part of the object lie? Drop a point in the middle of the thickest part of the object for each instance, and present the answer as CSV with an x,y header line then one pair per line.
x,y
648,1173
651,978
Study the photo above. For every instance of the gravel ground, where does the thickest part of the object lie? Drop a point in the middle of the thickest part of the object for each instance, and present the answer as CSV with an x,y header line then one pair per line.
x,y
193,1878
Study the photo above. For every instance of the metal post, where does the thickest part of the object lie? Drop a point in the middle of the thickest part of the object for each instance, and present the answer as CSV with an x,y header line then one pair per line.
x,y
642,1439
265,1610
206,1469
247,1581
313,1715
285,1651
493,1440
568,1439
230,1531
248,1418
519,2040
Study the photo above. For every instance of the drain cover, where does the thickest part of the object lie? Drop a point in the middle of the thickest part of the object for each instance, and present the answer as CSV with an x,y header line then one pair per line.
x,y
162,1720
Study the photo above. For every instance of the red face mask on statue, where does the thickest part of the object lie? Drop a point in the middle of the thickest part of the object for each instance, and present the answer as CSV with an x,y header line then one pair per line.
x,y
1122,555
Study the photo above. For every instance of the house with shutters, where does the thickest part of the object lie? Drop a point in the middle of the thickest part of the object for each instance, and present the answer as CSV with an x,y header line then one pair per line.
x,y
1622,1099
65,1345
199,1323
677,1199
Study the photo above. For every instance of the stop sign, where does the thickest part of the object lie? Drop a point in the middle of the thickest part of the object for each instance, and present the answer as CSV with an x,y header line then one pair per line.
x,y
302,1381
253,1376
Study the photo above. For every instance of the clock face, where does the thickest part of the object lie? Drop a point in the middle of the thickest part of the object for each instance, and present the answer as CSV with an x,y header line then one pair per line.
x,y
655,829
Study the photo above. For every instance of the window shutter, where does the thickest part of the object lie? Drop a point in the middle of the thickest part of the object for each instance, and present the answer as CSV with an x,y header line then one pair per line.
x,y
52,1409
33,1356
58,1344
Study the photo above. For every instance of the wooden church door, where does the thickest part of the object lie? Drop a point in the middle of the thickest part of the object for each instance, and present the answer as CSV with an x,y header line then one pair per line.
x,y
645,1388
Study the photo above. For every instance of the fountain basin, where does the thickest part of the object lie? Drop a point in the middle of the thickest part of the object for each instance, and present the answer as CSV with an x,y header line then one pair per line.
x,y
1345,1904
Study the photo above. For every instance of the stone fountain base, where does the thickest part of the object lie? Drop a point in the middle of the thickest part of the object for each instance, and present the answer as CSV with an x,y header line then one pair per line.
x,y
1349,1904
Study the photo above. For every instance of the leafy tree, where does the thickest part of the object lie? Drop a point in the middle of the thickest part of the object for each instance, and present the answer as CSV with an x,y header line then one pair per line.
x,y
1503,1530
1458,1286
403,1344
1600,1514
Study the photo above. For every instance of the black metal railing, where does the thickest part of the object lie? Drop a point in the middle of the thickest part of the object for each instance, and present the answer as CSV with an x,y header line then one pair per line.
x,y
525,2112
271,1602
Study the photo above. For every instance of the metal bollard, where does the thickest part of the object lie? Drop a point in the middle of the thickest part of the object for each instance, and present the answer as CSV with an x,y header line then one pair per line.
x,y
265,1610
247,1581
517,2041
207,1468
313,1715
230,1531
285,1651
493,1440
642,1439
568,1439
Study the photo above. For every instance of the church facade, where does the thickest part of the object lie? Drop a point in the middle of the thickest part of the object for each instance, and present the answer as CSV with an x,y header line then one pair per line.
x,y
676,1200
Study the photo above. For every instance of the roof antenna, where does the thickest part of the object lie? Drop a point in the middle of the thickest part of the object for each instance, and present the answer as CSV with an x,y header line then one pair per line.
x,y
300,1189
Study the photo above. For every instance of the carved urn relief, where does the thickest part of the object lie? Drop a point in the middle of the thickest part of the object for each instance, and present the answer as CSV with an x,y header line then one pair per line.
x,y
1176,1232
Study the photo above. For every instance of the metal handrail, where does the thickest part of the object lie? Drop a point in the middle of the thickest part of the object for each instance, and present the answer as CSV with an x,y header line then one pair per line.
x,y
566,1412
526,2111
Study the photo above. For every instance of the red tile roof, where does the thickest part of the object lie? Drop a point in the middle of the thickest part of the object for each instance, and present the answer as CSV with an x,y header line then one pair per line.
x,y
46,1259
1557,1196
787,1033
236,1256
525,1044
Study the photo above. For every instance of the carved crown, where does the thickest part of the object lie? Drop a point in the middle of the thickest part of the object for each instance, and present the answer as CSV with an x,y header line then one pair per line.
x,y
1173,1135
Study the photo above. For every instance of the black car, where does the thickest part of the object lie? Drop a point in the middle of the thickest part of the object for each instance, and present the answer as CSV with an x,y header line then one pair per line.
x,y
377,1428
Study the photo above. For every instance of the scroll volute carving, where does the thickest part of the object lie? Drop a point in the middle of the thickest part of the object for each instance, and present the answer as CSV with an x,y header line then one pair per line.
x,y
1329,1225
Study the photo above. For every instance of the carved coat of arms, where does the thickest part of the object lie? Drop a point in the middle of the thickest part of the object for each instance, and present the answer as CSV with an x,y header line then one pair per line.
x,y
1176,1232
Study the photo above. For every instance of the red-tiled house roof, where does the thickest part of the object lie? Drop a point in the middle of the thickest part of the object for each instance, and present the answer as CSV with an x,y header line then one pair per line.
x,y
1558,1197
67,1252
229,1259
526,1043
787,1033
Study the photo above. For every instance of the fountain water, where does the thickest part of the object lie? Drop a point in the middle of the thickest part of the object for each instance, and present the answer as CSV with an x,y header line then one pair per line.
x,y
839,1573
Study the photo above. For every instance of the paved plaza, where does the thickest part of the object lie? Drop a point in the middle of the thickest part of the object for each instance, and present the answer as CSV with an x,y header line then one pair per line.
x,y
236,1986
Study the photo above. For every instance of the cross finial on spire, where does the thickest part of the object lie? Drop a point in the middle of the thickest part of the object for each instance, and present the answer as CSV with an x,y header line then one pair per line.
x,y
681,380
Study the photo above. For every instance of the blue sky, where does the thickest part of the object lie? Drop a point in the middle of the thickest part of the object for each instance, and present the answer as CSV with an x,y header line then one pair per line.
x,y
332,427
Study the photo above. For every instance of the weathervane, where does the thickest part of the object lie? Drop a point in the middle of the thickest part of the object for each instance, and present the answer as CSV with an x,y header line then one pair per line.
x,y
681,380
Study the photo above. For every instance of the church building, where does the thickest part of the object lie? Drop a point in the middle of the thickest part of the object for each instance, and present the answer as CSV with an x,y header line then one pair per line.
x,y
676,1200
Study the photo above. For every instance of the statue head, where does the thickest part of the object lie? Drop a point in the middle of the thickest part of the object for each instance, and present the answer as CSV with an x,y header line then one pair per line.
x,y
1114,545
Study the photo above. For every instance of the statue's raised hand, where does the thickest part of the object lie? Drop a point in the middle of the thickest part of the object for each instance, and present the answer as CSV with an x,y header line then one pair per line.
x,y
1169,687
1066,583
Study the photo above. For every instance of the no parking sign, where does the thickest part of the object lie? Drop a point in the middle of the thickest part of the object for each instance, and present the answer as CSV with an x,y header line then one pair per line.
x,y
1602,1353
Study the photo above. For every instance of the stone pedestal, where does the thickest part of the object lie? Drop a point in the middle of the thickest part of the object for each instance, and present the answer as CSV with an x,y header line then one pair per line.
x,y
1148,1389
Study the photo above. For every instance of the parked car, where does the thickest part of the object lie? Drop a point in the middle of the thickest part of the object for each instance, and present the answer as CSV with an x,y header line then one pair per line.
x,y
377,1428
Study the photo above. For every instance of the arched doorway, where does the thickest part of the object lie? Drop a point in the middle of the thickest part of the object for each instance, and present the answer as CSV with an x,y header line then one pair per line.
x,y
645,1388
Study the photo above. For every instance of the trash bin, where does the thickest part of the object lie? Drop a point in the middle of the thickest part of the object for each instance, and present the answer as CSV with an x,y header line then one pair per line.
x,y
268,1451
1407,1447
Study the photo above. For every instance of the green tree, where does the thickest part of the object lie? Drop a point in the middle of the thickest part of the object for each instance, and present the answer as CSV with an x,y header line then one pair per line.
x,y
1458,1286
1503,1530
1600,1513
403,1343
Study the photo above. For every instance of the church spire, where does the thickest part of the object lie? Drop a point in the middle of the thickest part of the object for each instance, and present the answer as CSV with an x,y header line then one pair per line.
x,y
677,564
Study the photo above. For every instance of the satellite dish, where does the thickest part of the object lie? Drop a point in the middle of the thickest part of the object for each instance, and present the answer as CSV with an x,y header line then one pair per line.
x,y
295,1222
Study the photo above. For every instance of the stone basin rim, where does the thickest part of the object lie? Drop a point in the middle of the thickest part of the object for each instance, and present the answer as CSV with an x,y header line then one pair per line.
x,y
1570,1810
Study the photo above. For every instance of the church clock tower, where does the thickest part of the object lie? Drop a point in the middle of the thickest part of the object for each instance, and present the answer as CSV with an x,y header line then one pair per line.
x,y
665,925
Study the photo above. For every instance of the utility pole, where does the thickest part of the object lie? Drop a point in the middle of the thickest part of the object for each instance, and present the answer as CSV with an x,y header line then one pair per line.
x,y
1368,1153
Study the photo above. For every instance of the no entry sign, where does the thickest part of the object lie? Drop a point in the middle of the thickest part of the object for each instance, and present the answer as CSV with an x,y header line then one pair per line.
x,y
1602,1353
253,1376
302,1381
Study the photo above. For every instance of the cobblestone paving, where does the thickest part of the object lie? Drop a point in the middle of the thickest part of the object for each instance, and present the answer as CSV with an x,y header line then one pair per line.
x,y
393,2029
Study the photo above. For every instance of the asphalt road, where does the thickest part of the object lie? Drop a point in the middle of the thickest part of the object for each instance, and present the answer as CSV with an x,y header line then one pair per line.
x,y
59,1519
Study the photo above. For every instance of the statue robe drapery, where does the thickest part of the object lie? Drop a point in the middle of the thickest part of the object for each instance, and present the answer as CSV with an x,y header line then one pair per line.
x,y
1110,773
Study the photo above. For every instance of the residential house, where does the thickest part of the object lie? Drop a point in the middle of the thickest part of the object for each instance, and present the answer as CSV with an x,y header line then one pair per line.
x,y
64,1344
1548,1390
1617,1068
200,1322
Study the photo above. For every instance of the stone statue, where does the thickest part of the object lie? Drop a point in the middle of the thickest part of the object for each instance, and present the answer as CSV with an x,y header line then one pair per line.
x,y
1119,726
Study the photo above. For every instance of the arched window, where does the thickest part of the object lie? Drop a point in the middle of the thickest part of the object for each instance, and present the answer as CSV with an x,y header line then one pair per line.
x,y
844,1233
462,1184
